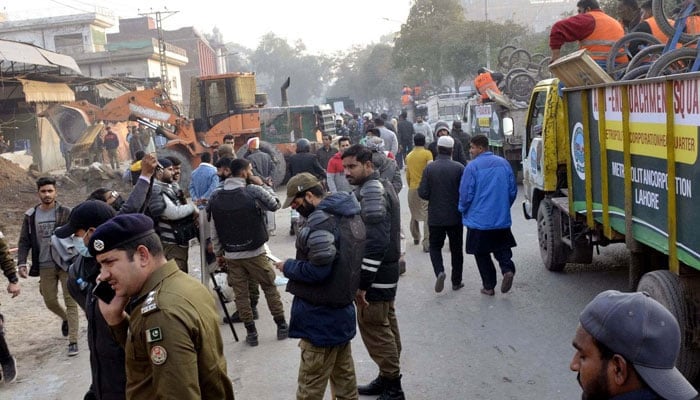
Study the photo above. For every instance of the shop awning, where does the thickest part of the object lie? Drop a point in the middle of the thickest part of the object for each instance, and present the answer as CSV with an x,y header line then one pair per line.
x,y
18,52
45,92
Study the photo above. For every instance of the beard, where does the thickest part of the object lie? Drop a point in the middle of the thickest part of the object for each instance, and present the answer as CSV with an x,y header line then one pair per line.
x,y
596,390
305,209
223,177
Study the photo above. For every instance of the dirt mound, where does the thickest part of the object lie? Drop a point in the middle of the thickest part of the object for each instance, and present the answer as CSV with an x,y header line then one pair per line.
x,y
13,177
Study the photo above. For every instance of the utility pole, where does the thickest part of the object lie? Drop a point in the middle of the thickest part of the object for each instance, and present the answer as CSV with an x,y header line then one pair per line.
x,y
164,79
488,42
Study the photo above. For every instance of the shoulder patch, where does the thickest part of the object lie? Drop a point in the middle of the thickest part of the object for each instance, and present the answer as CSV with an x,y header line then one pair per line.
x,y
154,335
158,355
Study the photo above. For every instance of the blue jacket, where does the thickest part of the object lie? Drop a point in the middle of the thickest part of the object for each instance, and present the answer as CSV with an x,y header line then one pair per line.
x,y
322,325
486,192
203,181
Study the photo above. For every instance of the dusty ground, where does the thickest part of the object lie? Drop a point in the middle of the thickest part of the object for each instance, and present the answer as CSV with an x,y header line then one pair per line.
x,y
33,333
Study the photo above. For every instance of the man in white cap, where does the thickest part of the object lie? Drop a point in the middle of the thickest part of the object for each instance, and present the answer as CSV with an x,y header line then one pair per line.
x,y
626,348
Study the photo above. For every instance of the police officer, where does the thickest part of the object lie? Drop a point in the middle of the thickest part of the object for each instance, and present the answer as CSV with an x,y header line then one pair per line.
x,y
166,319
7,362
376,316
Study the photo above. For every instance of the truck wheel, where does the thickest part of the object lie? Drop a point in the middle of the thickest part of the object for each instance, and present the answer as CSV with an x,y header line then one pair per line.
x,y
674,62
615,69
552,249
185,166
667,289
277,158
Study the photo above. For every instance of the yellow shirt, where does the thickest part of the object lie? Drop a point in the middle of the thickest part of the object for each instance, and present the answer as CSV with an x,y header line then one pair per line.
x,y
416,161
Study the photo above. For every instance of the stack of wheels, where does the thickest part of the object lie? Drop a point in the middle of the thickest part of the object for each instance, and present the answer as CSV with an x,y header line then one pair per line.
x,y
504,56
277,158
629,45
639,65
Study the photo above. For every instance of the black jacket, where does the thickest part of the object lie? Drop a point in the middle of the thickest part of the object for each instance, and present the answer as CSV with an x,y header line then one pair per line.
x,y
405,134
304,162
440,186
382,216
457,151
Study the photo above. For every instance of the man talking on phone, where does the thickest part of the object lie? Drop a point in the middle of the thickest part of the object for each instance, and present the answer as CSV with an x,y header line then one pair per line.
x,y
106,355
166,319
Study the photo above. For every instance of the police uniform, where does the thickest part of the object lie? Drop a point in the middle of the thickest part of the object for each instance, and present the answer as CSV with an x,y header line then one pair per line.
x,y
172,339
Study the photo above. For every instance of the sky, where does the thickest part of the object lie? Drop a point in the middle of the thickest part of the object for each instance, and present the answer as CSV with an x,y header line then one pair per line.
x,y
324,26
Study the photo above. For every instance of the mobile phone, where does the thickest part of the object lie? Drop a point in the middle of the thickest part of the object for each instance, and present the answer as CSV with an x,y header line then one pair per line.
x,y
273,258
104,292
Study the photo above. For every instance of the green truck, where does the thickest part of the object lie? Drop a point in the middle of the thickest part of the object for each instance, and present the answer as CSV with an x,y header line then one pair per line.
x,y
616,163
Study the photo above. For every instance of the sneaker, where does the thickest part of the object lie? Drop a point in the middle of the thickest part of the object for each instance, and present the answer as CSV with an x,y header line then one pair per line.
x,y
9,370
72,349
507,282
488,292
64,328
457,286
440,282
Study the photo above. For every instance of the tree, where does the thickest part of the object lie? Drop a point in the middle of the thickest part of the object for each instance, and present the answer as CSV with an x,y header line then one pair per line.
x,y
274,60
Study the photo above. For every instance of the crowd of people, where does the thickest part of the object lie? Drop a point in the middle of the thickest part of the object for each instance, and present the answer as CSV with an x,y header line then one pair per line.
x,y
154,331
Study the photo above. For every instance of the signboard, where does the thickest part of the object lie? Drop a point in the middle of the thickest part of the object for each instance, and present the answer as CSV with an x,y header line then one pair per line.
x,y
648,148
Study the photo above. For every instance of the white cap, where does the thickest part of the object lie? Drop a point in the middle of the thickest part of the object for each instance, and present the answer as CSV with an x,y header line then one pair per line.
x,y
446,141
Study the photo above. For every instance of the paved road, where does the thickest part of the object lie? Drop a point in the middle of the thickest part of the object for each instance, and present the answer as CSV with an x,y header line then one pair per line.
x,y
456,345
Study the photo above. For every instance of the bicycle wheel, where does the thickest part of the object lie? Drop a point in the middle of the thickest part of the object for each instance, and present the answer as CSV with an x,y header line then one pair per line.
x,y
511,74
504,55
674,62
521,86
627,44
520,58
647,55
665,10
543,72
637,73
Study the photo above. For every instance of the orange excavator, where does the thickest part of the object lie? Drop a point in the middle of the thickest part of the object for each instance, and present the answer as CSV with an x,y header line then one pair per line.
x,y
222,104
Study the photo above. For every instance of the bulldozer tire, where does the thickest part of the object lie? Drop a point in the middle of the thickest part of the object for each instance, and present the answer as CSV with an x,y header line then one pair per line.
x,y
185,167
277,158
552,249
668,289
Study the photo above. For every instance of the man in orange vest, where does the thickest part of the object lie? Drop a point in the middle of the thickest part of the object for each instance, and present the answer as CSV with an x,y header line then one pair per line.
x,y
487,81
592,28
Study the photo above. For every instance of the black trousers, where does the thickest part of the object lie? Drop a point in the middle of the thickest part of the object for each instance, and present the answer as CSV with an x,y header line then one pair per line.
x,y
437,240
487,269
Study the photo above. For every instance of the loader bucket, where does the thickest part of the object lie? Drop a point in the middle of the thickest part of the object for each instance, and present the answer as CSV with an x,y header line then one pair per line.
x,y
70,123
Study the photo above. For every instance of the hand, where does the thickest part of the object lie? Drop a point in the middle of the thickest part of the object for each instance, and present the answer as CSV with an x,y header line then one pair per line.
x,y
220,261
360,298
268,181
113,312
280,266
22,271
148,165
255,180
13,289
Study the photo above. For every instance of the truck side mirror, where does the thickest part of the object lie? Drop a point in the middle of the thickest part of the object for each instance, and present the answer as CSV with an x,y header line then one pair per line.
x,y
508,126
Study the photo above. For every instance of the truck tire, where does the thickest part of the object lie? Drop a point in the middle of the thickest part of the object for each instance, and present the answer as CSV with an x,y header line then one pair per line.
x,y
552,249
504,54
637,73
185,166
520,86
277,158
667,288
520,58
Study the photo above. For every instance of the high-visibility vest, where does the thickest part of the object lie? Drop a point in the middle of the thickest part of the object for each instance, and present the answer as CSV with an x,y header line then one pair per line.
x,y
607,31
483,82
656,31
406,99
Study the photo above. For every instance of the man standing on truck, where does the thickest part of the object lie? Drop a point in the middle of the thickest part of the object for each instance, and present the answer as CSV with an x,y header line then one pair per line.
x,y
626,347
630,13
487,81
595,31
486,193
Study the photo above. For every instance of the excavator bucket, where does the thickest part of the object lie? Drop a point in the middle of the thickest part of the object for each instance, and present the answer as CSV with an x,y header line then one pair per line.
x,y
71,123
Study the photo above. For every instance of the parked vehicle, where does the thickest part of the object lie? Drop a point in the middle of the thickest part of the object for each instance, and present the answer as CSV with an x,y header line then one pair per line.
x,y
616,163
